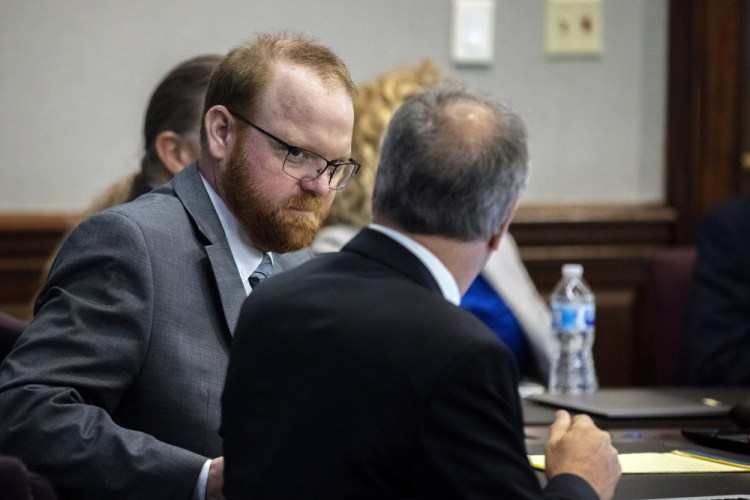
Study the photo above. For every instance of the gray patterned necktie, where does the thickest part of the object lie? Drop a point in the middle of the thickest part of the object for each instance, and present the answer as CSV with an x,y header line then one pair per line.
x,y
263,271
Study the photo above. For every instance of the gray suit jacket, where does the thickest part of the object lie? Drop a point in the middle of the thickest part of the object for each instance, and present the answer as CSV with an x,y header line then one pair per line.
x,y
114,389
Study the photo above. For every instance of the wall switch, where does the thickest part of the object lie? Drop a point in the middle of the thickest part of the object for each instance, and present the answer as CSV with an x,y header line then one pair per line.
x,y
574,27
473,34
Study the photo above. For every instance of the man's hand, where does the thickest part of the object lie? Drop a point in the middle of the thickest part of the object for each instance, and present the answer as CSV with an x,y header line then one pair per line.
x,y
577,446
215,481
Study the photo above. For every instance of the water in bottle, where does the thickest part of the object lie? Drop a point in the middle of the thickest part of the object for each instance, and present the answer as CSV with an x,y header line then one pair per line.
x,y
573,315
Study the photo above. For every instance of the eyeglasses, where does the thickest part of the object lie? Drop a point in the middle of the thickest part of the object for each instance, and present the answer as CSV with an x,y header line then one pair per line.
x,y
304,165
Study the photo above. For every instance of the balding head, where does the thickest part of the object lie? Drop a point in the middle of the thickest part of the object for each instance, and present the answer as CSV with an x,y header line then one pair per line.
x,y
462,128
453,162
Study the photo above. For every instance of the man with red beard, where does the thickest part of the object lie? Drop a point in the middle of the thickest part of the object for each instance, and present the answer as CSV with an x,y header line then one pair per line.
x,y
114,389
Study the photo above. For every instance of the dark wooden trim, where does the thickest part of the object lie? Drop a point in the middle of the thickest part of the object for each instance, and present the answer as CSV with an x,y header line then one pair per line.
x,y
613,242
595,235
703,108
26,242
745,99
36,222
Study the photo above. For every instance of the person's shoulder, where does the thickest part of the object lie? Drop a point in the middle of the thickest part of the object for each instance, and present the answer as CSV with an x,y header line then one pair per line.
x,y
451,337
415,308
154,205
154,212
726,220
734,208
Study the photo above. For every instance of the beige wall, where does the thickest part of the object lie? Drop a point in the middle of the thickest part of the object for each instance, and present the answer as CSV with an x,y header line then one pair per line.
x,y
76,75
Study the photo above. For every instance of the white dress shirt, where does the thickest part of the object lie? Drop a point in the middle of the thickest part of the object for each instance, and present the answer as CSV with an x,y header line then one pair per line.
x,y
444,278
247,258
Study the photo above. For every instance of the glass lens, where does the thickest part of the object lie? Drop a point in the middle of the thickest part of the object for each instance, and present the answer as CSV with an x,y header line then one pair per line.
x,y
308,166
343,174
304,165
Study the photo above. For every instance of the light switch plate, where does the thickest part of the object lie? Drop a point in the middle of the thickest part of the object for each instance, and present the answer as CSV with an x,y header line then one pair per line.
x,y
574,27
473,34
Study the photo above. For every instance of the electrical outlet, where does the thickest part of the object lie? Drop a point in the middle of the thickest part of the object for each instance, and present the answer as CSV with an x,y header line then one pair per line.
x,y
574,27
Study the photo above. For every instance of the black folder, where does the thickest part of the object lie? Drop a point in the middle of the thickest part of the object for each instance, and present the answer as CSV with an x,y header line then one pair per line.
x,y
649,402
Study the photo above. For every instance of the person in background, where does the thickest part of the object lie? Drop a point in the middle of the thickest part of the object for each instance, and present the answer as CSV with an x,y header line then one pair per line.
x,y
503,296
355,375
719,317
113,391
171,130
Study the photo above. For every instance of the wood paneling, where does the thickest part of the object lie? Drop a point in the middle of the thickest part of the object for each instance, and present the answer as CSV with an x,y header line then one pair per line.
x,y
26,242
612,243
703,120
745,99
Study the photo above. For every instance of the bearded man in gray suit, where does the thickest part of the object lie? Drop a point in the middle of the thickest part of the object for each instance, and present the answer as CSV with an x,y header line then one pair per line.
x,y
114,389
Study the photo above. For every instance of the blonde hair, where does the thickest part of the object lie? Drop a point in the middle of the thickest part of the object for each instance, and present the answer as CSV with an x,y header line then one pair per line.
x,y
374,106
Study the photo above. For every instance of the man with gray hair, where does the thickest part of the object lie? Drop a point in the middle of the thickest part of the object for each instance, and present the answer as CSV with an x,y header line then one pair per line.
x,y
356,375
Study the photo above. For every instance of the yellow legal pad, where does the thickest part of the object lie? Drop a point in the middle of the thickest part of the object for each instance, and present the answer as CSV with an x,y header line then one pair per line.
x,y
674,462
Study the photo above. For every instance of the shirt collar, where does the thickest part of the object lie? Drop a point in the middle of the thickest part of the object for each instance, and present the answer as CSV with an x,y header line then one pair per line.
x,y
444,278
245,255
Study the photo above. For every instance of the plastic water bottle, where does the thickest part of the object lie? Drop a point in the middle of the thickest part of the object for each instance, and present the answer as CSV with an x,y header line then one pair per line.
x,y
573,316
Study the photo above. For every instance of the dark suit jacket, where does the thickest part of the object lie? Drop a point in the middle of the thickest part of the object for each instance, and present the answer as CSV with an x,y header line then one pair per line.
x,y
10,329
360,381
719,345
114,389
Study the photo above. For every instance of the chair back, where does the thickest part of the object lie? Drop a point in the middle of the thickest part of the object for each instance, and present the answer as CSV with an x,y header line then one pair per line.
x,y
661,342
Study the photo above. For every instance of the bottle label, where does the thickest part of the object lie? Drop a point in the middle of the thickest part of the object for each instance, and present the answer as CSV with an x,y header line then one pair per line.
x,y
573,317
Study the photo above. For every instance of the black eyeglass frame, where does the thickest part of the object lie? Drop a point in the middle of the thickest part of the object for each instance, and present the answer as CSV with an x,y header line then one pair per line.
x,y
333,165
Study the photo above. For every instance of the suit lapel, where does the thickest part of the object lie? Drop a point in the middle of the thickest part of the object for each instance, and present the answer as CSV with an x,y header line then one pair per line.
x,y
377,246
189,188
284,261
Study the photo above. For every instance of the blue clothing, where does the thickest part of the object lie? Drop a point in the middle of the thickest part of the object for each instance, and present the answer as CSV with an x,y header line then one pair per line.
x,y
485,303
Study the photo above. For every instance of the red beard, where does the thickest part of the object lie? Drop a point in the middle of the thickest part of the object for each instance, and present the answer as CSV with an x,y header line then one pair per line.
x,y
272,226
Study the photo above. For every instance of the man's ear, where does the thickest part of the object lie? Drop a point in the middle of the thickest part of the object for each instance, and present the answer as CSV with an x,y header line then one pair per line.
x,y
174,152
494,242
219,135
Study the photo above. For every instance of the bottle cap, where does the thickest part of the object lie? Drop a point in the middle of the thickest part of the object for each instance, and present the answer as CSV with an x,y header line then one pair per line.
x,y
572,270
